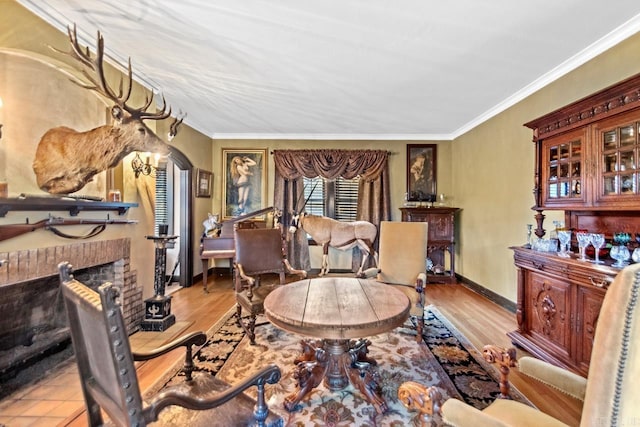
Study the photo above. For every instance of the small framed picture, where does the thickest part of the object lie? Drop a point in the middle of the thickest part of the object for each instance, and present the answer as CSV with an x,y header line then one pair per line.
x,y
421,172
203,183
244,181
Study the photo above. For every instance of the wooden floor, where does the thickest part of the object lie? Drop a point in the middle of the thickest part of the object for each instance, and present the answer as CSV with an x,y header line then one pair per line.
x,y
480,320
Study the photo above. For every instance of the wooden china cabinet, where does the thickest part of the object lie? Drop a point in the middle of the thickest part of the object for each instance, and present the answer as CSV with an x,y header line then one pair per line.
x,y
587,165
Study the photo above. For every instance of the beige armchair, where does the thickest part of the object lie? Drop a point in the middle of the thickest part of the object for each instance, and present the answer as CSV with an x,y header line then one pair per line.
x,y
258,251
610,393
402,260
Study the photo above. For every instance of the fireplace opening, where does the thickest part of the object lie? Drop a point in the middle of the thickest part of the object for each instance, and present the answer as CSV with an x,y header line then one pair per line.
x,y
34,326
34,331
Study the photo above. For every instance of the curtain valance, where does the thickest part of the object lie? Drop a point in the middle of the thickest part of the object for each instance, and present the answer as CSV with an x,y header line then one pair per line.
x,y
330,164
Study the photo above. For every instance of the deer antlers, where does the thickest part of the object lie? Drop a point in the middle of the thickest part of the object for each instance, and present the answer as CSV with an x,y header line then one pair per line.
x,y
100,85
173,128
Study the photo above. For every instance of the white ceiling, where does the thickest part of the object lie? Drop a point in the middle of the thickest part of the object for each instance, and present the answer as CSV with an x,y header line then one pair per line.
x,y
345,69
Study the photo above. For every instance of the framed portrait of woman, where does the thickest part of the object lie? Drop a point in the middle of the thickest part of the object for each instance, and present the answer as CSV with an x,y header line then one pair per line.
x,y
244,181
421,172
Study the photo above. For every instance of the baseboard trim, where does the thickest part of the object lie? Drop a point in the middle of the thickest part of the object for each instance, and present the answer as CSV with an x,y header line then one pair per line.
x,y
489,294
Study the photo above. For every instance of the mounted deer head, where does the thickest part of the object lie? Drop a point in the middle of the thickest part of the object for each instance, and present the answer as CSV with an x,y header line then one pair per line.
x,y
66,160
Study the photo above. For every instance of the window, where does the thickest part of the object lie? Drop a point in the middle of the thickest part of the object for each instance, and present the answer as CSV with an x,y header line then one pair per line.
x,y
334,199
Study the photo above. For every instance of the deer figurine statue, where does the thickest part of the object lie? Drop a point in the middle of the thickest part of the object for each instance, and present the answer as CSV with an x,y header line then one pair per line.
x,y
66,159
341,235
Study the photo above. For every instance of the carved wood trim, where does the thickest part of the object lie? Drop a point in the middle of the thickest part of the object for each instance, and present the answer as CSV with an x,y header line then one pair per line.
x,y
621,97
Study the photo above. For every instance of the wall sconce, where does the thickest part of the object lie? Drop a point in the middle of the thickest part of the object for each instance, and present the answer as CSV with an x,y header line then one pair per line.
x,y
145,168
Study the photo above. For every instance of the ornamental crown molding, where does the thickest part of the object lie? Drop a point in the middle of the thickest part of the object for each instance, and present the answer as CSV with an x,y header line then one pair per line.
x,y
616,99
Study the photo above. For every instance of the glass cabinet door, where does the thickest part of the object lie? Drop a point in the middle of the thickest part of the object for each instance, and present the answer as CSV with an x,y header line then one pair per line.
x,y
618,149
562,170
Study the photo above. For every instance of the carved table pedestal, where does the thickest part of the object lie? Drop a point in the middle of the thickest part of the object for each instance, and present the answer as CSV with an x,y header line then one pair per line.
x,y
339,311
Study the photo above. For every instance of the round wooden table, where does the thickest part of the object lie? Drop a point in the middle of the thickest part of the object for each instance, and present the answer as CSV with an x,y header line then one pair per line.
x,y
339,311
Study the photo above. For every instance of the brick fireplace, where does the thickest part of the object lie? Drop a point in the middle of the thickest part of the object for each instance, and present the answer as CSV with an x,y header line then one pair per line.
x,y
33,321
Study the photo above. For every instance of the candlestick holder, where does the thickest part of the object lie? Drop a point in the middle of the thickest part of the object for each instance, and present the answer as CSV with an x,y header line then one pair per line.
x,y
528,244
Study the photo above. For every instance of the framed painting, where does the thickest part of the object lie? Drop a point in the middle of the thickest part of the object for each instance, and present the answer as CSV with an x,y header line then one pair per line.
x,y
244,181
421,172
203,183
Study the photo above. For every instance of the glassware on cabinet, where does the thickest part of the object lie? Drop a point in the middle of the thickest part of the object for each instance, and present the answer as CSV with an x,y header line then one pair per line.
x,y
583,242
565,237
621,255
619,251
597,240
528,244
621,238
556,226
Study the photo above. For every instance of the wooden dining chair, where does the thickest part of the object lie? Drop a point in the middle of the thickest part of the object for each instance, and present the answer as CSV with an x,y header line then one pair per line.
x,y
108,375
259,251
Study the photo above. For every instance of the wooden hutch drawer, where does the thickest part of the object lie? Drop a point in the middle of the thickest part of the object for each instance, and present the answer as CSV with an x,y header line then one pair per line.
x,y
541,262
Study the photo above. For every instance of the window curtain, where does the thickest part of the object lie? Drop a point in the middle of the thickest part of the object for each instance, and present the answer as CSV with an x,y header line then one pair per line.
x,y
373,191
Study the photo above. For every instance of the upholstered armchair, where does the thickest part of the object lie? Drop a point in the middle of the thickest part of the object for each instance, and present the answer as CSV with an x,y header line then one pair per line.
x,y
108,374
258,251
610,393
402,260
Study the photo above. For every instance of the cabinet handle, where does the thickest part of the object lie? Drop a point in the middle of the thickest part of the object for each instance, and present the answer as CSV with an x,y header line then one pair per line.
x,y
538,265
603,282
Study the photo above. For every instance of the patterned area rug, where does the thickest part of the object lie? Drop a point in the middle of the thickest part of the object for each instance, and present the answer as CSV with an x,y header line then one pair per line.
x,y
446,359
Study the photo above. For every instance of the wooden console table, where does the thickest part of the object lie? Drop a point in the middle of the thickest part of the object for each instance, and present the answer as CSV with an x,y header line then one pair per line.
x,y
441,239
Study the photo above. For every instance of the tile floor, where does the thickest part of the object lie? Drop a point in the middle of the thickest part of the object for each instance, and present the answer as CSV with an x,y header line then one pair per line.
x,y
58,395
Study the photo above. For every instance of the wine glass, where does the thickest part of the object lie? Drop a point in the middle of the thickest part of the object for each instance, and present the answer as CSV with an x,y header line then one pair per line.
x,y
565,237
620,252
621,255
597,240
614,253
583,242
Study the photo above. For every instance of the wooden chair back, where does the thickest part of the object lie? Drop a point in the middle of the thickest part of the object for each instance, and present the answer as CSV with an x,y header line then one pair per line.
x,y
258,251
101,345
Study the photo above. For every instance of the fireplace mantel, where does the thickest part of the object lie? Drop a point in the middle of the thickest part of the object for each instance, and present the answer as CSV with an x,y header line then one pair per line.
x,y
52,203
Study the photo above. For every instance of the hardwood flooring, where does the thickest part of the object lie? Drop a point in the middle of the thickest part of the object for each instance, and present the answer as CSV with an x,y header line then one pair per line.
x,y
480,320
